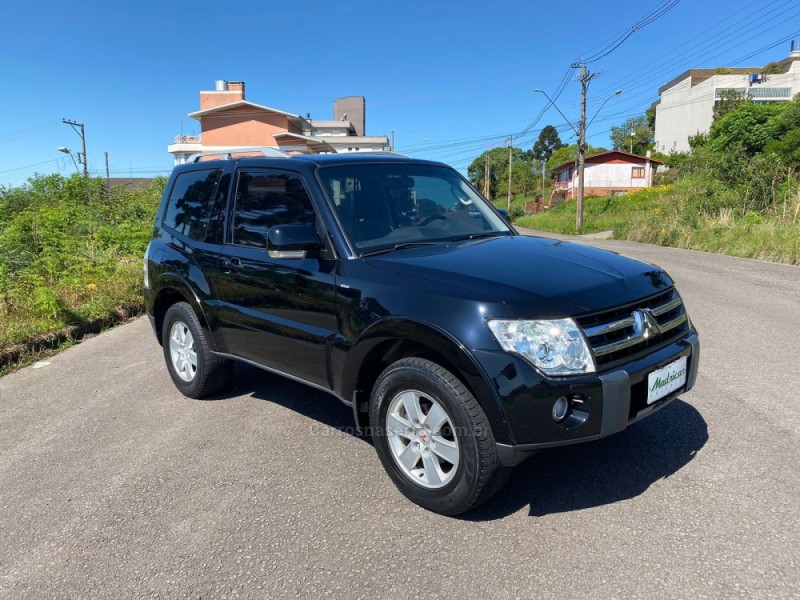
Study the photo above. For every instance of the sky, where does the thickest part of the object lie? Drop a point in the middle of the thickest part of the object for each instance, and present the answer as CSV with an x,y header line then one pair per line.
x,y
450,79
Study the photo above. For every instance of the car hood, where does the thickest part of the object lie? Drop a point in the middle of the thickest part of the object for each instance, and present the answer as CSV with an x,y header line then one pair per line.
x,y
534,277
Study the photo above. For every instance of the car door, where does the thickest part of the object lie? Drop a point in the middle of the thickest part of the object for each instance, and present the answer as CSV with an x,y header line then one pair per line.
x,y
277,312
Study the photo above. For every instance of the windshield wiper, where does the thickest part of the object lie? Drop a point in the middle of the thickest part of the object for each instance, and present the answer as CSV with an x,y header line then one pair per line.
x,y
476,236
402,246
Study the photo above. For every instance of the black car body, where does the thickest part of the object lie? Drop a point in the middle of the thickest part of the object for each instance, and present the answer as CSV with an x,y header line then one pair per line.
x,y
338,316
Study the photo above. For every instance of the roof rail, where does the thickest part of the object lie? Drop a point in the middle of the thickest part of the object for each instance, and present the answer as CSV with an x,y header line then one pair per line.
x,y
384,152
267,151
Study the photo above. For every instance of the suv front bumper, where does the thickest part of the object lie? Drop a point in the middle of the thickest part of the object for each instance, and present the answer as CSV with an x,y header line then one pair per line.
x,y
609,401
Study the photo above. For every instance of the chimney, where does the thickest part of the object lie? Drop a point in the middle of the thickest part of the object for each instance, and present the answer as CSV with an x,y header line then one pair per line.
x,y
353,109
795,50
225,92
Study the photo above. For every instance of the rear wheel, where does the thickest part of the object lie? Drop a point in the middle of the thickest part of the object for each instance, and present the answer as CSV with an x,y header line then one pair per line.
x,y
194,369
433,438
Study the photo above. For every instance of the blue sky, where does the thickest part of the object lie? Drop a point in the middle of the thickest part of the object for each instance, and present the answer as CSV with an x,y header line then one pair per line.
x,y
450,78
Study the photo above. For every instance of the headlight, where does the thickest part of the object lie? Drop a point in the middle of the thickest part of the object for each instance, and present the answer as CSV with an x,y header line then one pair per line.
x,y
556,347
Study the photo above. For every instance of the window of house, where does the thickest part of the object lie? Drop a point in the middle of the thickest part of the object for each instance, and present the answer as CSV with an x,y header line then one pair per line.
x,y
191,203
638,173
265,199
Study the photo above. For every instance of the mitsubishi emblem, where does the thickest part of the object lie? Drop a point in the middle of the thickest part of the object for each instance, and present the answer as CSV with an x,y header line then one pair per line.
x,y
644,324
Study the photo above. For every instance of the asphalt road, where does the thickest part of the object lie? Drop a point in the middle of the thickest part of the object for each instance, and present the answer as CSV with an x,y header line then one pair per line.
x,y
114,485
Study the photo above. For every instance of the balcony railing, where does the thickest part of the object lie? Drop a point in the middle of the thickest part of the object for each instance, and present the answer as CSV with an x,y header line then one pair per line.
x,y
186,138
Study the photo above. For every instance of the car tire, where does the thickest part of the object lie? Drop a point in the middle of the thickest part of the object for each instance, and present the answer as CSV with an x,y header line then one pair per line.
x,y
433,438
194,369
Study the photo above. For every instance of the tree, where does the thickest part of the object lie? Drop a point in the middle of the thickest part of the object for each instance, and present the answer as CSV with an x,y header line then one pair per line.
x,y
569,153
749,126
498,168
636,130
650,113
728,100
522,178
788,146
547,143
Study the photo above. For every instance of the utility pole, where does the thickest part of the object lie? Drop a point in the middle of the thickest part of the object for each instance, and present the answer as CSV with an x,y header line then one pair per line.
x,y
107,173
392,140
543,166
510,148
586,77
486,176
82,133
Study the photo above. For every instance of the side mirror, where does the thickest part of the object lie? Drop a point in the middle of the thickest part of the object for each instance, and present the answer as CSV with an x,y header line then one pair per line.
x,y
292,241
504,213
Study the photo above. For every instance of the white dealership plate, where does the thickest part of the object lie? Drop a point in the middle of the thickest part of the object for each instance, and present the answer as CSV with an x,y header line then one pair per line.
x,y
666,380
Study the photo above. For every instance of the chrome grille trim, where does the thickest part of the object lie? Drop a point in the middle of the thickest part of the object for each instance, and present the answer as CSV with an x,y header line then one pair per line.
x,y
608,327
620,345
665,308
673,324
644,327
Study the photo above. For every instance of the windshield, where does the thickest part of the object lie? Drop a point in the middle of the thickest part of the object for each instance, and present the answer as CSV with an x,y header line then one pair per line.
x,y
386,205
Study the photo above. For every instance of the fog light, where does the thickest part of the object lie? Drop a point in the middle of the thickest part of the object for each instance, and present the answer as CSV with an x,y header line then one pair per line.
x,y
560,409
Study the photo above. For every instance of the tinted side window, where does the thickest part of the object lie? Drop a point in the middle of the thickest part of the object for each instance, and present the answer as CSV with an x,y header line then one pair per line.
x,y
190,203
265,199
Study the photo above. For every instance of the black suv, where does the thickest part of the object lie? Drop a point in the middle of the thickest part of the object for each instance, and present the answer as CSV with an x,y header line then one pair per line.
x,y
461,346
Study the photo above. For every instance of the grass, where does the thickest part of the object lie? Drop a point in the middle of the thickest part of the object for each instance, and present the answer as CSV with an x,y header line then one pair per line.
x,y
669,216
518,201
70,260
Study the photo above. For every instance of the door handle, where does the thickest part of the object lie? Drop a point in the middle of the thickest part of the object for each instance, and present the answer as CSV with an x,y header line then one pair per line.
x,y
231,264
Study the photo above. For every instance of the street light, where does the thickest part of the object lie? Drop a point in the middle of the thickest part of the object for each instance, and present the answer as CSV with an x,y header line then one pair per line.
x,y
617,93
66,150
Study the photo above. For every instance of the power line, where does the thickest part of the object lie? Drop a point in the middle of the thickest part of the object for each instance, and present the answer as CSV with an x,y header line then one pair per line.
x,y
652,16
749,23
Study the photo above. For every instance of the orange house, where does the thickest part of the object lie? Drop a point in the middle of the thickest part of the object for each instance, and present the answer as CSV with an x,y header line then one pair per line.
x,y
229,122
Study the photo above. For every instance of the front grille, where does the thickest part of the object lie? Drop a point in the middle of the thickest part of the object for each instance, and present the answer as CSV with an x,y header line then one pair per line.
x,y
631,330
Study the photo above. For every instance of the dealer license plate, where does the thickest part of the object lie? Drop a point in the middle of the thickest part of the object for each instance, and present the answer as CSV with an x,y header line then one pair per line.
x,y
666,380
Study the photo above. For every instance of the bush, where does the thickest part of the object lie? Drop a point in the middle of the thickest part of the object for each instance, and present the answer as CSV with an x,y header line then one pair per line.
x,y
70,252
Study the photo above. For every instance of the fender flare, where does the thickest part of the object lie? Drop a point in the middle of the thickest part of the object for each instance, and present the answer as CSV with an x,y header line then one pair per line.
x,y
177,283
428,334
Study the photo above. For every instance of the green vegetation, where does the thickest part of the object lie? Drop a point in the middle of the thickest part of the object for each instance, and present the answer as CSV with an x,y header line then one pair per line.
x,y
526,169
518,202
737,192
634,135
569,153
672,216
70,255
547,143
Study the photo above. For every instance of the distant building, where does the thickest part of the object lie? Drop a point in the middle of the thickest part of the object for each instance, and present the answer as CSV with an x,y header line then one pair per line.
x,y
606,174
228,122
686,104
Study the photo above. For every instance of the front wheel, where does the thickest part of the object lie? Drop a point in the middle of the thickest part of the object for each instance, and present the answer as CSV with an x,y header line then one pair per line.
x,y
433,438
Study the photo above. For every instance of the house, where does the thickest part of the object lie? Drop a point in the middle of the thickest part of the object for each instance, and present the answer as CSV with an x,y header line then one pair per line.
x,y
686,104
228,121
606,174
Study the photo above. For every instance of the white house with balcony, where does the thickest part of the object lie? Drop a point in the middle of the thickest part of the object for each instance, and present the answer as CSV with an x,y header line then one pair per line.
x,y
606,174
686,104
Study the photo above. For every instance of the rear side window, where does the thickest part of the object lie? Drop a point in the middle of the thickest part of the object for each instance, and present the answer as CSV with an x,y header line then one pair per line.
x,y
190,203
265,199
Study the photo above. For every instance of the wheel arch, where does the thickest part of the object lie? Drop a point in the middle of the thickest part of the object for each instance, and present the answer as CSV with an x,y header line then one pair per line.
x,y
390,340
172,289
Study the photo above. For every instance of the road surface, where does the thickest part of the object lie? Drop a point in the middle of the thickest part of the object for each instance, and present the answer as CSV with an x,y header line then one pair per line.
x,y
114,485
